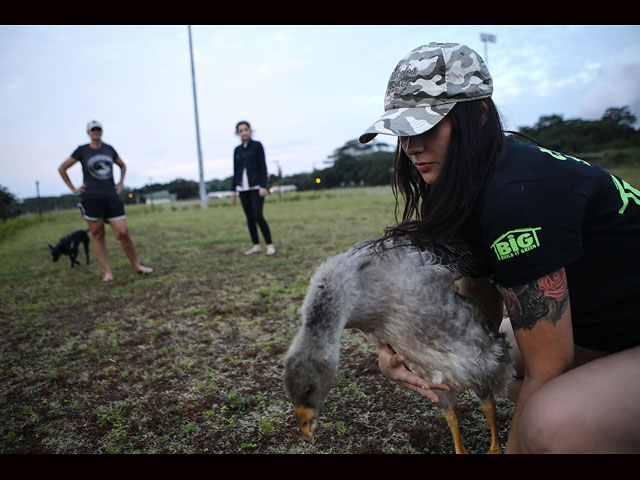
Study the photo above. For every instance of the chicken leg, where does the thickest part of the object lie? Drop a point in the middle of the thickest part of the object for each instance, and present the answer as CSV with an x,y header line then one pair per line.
x,y
454,426
489,409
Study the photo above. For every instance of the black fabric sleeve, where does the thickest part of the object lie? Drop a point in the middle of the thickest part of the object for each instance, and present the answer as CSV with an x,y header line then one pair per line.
x,y
234,181
77,154
533,229
262,164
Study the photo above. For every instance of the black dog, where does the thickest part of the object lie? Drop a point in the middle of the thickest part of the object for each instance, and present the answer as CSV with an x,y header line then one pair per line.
x,y
68,245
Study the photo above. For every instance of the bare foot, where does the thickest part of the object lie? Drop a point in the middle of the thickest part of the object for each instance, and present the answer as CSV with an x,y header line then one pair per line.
x,y
142,270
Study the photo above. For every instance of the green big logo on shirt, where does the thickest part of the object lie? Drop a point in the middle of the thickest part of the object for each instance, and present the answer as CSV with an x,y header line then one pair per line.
x,y
516,242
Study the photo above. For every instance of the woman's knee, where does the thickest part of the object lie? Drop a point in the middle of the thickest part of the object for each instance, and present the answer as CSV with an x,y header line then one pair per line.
x,y
98,236
553,420
120,230
97,231
123,235
538,427
590,409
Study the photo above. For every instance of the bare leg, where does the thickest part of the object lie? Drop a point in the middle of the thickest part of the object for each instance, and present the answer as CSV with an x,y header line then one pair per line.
x,y
489,409
122,234
100,247
452,420
593,408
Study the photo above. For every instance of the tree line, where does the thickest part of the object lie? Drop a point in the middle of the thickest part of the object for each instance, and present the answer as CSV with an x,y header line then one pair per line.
x,y
611,141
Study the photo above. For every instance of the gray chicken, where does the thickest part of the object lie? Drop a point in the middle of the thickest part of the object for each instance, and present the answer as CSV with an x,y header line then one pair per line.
x,y
403,295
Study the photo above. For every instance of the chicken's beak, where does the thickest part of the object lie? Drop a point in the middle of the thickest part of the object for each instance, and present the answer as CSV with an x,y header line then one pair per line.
x,y
307,419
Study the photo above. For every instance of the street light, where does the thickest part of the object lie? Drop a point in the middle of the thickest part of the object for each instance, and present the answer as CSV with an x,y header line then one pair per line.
x,y
487,38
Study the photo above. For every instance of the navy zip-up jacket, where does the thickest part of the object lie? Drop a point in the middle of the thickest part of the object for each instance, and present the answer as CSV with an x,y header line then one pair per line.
x,y
252,158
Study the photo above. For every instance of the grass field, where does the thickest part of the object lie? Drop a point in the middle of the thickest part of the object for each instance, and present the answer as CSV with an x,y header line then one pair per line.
x,y
188,359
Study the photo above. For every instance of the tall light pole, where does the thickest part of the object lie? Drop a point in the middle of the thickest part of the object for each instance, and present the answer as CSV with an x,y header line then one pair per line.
x,y
277,162
487,38
203,188
38,191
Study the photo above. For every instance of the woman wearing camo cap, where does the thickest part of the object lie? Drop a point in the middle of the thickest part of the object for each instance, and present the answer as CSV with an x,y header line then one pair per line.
x,y
559,235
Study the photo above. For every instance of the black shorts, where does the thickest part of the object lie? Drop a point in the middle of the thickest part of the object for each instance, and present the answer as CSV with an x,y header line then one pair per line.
x,y
102,208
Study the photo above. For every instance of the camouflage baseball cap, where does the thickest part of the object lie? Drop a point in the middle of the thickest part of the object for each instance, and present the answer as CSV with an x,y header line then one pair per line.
x,y
426,84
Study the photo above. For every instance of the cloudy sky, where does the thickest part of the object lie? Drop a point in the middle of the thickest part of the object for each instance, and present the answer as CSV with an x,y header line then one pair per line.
x,y
307,90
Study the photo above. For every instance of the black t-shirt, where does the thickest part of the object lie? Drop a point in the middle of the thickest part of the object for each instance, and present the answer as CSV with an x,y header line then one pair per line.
x,y
543,210
97,168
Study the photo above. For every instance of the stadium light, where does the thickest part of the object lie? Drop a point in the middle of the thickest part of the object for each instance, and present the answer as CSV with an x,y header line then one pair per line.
x,y
487,38
203,188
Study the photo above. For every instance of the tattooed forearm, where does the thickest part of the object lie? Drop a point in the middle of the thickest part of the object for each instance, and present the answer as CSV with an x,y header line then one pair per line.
x,y
546,298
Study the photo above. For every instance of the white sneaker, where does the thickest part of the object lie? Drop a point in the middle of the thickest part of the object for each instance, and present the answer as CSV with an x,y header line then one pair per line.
x,y
271,250
254,249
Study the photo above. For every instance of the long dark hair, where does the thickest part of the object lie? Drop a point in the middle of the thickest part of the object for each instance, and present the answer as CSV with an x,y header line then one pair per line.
x,y
439,210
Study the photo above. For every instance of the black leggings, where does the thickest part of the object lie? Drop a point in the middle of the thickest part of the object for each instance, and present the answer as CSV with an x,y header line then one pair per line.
x,y
252,204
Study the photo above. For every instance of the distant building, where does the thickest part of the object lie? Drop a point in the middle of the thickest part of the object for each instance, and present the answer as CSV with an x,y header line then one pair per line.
x,y
160,197
275,189
283,188
221,194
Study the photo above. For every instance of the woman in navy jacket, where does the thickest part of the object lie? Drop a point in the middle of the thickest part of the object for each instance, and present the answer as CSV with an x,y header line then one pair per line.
x,y
250,181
